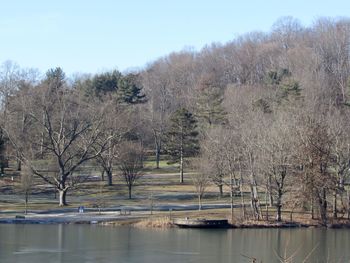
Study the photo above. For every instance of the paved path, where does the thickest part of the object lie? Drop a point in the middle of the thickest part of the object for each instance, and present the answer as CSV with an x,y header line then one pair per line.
x,y
68,217
91,215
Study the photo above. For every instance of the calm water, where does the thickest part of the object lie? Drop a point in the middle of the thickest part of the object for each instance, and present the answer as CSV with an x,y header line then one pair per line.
x,y
85,243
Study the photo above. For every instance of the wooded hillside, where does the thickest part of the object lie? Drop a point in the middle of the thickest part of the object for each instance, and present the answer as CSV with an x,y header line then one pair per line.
x,y
268,111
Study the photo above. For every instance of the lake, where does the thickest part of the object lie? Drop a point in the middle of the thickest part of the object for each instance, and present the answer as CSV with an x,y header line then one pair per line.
x,y
93,243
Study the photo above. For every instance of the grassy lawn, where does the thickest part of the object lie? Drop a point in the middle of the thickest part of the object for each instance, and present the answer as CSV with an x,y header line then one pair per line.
x,y
157,187
164,167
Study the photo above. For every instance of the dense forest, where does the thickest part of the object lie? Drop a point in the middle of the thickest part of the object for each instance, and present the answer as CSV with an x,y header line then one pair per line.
x,y
268,112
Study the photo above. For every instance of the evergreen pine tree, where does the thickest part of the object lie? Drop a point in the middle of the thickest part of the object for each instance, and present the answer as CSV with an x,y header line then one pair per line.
x,y
129,91
101,84
288,89
181,138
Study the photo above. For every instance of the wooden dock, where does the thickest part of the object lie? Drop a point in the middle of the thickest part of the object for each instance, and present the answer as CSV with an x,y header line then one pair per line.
x,y
201,223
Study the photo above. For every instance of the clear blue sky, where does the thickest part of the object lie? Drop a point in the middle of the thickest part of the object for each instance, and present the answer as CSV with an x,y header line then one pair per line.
x,y
92,36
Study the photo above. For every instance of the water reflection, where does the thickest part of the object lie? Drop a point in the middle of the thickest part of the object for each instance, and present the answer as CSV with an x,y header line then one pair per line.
x,y
83,243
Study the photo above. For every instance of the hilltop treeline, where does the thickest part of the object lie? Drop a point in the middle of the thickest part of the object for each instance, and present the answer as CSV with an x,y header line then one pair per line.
x,y
265,112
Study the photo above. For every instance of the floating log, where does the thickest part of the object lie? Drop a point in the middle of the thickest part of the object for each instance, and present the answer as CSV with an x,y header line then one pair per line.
x,y
201,223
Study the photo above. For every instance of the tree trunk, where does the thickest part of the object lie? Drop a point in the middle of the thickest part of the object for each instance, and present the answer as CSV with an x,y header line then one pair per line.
x,y
42,139
181,167
270,196
312,208
270,199
157,144
291,215
348,192
335,208
157,156
267,203
141,147
199,202
129,188
62,197
221,192
19,165
322,200
241,190
231,196
254,202
26,202
279,206
103,175
110,177
242,202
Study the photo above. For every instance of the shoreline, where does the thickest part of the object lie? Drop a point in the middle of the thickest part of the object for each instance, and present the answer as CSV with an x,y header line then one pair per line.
x,y
165,223
144,219
161,223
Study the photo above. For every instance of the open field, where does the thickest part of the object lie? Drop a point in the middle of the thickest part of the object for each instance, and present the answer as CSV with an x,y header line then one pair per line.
x,y
156,187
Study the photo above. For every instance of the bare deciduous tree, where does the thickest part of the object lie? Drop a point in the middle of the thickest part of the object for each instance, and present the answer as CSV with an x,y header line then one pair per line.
x,y
157,85
130,164
200,179
63,128
315,156
116,125
338,123
26,184
277,158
